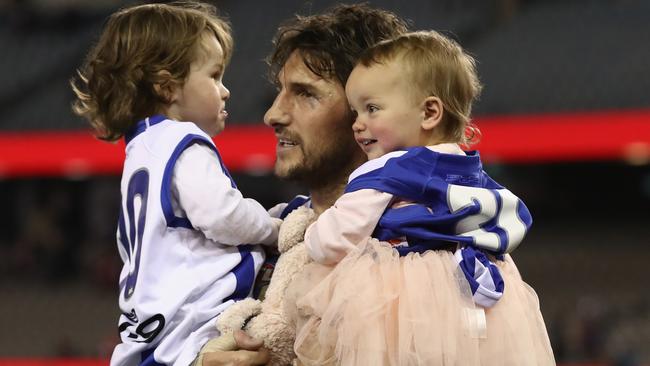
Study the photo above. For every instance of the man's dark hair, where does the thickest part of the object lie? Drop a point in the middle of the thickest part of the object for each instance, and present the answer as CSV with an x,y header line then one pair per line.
x,y
330,43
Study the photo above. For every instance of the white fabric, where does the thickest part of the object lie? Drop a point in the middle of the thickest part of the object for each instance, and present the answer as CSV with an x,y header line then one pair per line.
x,y
199,189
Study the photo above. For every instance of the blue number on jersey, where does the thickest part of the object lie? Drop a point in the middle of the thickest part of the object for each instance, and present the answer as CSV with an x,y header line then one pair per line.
x,y
137,192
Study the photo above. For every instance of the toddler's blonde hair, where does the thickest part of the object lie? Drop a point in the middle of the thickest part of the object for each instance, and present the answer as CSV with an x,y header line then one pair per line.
x,y
436,66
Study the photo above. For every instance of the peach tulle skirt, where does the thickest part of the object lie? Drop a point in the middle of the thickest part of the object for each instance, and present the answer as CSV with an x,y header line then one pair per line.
x,y
377,308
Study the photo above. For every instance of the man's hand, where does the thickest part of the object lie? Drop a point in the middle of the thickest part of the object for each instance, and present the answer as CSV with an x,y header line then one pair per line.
x,y
233,349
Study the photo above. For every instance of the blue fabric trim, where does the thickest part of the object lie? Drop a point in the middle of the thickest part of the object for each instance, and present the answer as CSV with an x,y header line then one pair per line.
x,y
138,185
165,191
467,265
415,223
416,175
148,359
141,126
223,167
123,238
493,226
524,214
244,274
296,202
121,227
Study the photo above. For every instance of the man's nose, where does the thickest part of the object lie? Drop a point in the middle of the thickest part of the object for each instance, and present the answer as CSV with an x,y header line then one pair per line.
x,y
277,114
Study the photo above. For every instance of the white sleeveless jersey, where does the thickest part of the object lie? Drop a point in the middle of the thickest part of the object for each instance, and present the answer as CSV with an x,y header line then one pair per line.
x,y
174,281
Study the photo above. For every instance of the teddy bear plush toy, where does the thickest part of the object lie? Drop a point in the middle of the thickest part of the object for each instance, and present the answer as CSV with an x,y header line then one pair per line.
x,y
267,320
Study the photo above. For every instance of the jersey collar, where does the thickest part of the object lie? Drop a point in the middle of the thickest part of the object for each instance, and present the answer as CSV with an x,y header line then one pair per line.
x,y
142,125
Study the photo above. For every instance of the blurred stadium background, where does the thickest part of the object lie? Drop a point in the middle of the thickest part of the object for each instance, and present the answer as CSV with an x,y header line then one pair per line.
x,y
565,116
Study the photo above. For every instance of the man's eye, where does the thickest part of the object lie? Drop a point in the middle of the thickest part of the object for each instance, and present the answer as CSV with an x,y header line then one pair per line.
x,y
305,93
372,108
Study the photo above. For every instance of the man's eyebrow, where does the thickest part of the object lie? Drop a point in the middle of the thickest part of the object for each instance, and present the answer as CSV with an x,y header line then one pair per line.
x,y
301,85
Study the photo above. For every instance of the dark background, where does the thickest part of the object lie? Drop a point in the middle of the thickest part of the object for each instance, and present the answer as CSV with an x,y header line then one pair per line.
x,y
587,254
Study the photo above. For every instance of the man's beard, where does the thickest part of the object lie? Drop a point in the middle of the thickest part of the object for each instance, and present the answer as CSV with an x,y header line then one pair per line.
x,y
330,163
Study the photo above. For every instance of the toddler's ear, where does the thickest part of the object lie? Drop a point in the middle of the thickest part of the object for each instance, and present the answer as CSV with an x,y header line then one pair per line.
x,y
165,87
433,111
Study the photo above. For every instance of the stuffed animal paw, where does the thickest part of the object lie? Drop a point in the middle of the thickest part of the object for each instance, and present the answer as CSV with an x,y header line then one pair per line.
x,y
267,320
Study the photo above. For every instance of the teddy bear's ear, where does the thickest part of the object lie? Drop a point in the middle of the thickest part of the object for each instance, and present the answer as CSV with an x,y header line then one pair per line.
x,y
293,228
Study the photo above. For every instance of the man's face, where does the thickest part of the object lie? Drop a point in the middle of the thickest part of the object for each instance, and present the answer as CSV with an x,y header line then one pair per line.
x,y
313,125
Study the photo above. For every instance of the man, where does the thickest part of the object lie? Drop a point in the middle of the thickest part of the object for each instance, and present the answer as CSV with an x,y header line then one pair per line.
x,y
312,60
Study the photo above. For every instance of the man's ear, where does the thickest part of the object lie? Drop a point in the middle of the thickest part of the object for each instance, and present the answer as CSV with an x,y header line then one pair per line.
x,y
165,87
433,111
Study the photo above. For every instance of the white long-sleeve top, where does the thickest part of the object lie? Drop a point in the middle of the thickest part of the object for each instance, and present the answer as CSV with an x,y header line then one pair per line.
x,y
202,192
341,227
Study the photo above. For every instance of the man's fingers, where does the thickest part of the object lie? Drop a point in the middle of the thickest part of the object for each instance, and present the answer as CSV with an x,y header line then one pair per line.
x,y
259,357
221,351
243,357
244,341
225,342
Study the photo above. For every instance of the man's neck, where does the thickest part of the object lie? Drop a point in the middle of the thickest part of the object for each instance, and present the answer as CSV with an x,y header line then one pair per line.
x,y
324,197
327,188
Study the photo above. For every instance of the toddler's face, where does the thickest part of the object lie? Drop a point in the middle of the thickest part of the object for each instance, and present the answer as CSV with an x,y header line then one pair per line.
x,y
388,117
202,99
